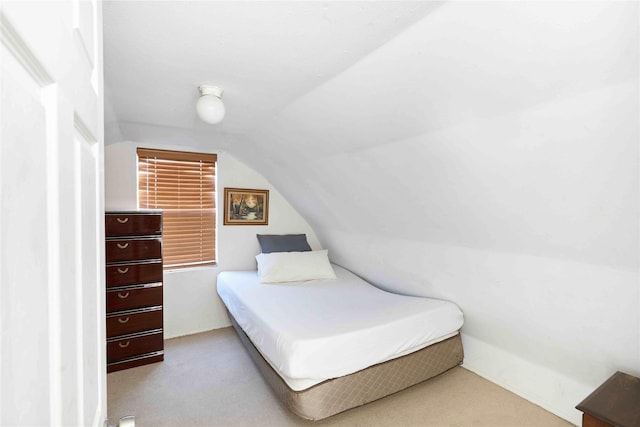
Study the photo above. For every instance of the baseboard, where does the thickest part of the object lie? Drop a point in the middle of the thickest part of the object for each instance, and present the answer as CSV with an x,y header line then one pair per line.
x,y
548,389
196,331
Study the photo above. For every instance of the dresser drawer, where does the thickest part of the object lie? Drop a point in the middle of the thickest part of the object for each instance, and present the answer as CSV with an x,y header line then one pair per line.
x,y
133,249
125,224
134,273
133,322
132,346
132,362
132,298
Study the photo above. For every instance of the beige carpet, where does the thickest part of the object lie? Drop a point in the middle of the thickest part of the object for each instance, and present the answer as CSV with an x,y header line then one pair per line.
x,y
208,379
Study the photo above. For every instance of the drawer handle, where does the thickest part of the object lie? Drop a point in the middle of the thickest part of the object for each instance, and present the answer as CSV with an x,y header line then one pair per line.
x,y
123,221
123,319
123,270
123,245
124,344
123,295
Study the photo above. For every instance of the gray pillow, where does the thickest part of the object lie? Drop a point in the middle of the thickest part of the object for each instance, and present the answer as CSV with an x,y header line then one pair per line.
x,y
283,243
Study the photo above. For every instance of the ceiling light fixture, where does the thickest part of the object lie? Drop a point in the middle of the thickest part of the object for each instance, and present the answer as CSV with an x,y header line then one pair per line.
x,y
210,107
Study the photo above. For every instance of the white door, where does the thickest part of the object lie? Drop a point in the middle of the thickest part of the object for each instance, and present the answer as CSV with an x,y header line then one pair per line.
x,y
52,341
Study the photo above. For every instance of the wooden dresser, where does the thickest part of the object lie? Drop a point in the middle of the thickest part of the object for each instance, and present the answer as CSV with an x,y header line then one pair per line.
x,y
134,288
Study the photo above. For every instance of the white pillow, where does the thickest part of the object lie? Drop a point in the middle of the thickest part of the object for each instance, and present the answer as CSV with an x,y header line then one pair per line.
x,y
278,267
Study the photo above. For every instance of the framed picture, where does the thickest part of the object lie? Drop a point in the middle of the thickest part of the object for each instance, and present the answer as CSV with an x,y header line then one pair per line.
x,y
243,206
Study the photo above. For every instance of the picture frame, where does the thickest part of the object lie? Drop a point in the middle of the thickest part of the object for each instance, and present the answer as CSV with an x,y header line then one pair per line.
x,y
245,206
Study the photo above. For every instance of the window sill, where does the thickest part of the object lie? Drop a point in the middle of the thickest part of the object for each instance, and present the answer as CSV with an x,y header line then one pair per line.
x,y
191,269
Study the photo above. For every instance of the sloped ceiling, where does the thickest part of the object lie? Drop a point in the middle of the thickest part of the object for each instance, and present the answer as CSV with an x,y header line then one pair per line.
x,y
440,104
483,126
264,55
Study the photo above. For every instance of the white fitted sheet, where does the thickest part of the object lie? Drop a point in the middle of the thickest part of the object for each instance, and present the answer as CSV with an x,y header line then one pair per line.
x,y
321,329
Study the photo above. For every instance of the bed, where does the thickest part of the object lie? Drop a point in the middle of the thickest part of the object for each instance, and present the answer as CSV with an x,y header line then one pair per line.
x,y
337,342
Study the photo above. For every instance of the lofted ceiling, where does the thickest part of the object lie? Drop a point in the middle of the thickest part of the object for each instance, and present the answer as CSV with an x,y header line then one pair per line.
x,y
488,116
265,55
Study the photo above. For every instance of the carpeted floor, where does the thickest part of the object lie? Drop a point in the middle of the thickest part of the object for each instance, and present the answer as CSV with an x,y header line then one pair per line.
x,y
208,379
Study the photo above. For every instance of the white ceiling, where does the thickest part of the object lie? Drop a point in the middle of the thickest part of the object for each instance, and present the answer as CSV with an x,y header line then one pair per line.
x,y
263,54
496,119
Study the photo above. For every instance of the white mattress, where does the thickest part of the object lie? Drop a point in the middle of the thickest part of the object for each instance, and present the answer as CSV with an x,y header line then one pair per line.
x,y
321,329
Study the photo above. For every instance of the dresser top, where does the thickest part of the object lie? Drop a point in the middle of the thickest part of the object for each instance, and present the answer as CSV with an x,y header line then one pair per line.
x,y
615,401
135,212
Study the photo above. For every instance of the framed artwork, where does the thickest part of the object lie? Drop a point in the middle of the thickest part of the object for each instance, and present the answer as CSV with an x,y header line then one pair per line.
x,y
243,206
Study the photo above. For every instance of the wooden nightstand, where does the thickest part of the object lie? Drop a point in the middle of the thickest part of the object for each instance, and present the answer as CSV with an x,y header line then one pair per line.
x,y
616,403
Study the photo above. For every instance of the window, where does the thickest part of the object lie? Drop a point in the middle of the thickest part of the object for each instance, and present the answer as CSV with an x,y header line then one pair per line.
x,y
182,185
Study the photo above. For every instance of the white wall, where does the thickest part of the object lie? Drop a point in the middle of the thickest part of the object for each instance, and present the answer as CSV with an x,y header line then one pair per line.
x,y
488,155
191,303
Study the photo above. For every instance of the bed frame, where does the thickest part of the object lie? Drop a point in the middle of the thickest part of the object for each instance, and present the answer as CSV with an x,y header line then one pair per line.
x,y
339,394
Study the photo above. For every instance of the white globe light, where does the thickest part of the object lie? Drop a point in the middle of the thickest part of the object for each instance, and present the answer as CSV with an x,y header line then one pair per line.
x,y
210,107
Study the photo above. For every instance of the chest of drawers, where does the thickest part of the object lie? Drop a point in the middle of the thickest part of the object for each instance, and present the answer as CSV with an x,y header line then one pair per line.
x,y
134,297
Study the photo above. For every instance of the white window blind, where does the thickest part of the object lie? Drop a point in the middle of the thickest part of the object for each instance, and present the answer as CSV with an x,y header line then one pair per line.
x,y
182,185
